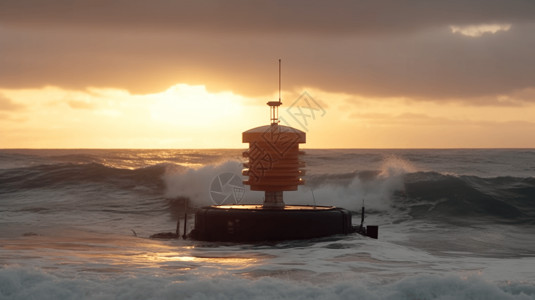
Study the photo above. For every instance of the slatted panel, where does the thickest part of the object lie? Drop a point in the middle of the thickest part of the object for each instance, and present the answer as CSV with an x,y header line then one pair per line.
x,y
273,155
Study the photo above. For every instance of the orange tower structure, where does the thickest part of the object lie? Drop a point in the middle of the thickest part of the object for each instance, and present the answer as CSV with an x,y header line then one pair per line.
x,y
273,154
274,164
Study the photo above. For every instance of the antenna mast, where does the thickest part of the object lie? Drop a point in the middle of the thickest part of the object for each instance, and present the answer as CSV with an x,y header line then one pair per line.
x,y
280,81
274,105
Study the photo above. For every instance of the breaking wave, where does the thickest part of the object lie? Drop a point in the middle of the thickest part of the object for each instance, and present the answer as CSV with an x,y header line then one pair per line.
x,y
17,283
397,187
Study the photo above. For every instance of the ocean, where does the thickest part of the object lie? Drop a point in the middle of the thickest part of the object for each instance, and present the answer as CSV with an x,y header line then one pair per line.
x,y
453,224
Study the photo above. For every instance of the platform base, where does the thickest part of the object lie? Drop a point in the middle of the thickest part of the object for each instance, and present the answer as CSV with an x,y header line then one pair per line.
x,y
254,223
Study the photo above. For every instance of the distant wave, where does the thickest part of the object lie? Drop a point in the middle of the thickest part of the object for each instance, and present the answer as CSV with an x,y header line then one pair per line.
x,y
63,174
432,195
422,195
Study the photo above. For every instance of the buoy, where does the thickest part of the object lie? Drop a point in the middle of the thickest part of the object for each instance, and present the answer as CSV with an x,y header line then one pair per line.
x,y
273,167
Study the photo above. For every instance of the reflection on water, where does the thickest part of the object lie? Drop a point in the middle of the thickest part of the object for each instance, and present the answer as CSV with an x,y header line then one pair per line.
x,y
86,252
286,207
172,256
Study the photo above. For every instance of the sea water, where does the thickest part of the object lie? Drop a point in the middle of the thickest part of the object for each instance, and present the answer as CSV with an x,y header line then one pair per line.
x,y
453,224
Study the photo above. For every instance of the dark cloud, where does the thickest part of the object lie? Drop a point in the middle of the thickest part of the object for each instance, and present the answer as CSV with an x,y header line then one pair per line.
x,y
265,16
373,48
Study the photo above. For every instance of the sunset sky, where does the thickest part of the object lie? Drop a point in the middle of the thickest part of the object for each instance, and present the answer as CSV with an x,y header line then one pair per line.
x,y
196,74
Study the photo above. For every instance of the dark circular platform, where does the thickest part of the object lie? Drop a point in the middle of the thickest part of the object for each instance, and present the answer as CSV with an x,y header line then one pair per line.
x,y
253,223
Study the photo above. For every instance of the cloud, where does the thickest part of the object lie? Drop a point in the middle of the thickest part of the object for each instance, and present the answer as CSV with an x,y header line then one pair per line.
x,y
4,116
479,30
7,105
264,16
77,104
405,119
374,48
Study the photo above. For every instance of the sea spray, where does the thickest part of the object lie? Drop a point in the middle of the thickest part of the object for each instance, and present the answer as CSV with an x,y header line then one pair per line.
x,y
194,184
375,189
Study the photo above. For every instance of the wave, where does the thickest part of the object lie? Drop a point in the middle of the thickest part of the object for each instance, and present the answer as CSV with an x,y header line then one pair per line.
x,y
394,190
20,283
434,195
68,174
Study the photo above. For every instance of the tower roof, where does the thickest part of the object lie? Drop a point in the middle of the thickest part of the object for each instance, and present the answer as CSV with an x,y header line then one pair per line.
x,y
273,129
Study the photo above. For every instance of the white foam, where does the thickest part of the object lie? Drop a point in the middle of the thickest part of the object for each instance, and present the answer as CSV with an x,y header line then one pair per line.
x,y
18,283
376,193
373,193
195,183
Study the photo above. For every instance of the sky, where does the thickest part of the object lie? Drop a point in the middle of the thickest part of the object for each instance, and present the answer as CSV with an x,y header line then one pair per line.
x,y
196,74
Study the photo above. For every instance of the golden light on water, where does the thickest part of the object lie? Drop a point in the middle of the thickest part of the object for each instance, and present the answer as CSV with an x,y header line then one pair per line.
x,y
223,260
117,252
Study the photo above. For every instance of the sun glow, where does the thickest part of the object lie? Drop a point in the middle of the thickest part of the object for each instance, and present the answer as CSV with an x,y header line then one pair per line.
x,y
183,116
192,117
194,106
